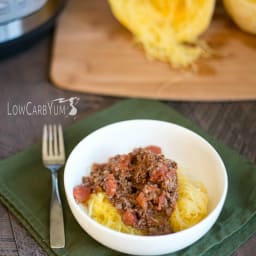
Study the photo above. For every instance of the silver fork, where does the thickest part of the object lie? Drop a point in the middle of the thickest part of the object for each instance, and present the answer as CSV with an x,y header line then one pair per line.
x,y
53,155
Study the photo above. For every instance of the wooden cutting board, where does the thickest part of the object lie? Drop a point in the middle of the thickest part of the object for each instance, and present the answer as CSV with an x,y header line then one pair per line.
x,y
93,53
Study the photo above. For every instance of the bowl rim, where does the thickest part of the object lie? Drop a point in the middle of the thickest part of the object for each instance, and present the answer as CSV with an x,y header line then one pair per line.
x,y
216,209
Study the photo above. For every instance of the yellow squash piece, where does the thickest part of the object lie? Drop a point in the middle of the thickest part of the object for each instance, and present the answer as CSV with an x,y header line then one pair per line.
x,y
243,13
168,30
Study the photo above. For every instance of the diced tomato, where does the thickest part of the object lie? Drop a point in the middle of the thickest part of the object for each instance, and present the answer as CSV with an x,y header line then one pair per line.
x,y
154,149
111,185
142,201
159,173
81,193
129,218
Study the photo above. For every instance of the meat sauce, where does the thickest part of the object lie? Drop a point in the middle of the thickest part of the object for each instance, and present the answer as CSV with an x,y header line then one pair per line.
x,y
142,185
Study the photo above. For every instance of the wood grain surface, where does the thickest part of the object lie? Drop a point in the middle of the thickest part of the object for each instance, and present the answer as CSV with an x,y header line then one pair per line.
x,y
25,78
94,53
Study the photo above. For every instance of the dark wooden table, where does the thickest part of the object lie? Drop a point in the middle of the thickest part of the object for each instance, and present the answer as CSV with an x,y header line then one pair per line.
x,y
24,78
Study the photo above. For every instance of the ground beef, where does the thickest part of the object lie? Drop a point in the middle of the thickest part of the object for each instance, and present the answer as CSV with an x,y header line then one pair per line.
x,y
142,185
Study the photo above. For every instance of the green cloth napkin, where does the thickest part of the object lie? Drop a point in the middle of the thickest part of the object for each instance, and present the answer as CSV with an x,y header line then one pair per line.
x,y
25,188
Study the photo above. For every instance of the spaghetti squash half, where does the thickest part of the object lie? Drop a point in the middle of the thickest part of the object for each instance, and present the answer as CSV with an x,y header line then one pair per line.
x,y
168,30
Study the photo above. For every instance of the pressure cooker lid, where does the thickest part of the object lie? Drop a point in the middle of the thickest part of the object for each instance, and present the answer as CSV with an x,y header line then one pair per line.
x,y
21,33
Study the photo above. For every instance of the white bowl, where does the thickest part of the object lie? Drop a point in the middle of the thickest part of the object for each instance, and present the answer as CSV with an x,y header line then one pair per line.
x,y
196,157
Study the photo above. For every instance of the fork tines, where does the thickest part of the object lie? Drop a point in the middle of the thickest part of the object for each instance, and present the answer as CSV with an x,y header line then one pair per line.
x,y
53,142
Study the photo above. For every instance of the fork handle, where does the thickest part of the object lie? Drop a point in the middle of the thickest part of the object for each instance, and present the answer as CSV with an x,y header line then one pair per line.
x,y
57,236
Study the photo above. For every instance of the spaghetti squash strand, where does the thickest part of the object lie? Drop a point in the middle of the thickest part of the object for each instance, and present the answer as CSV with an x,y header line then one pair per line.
x,y
101,209
191,206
